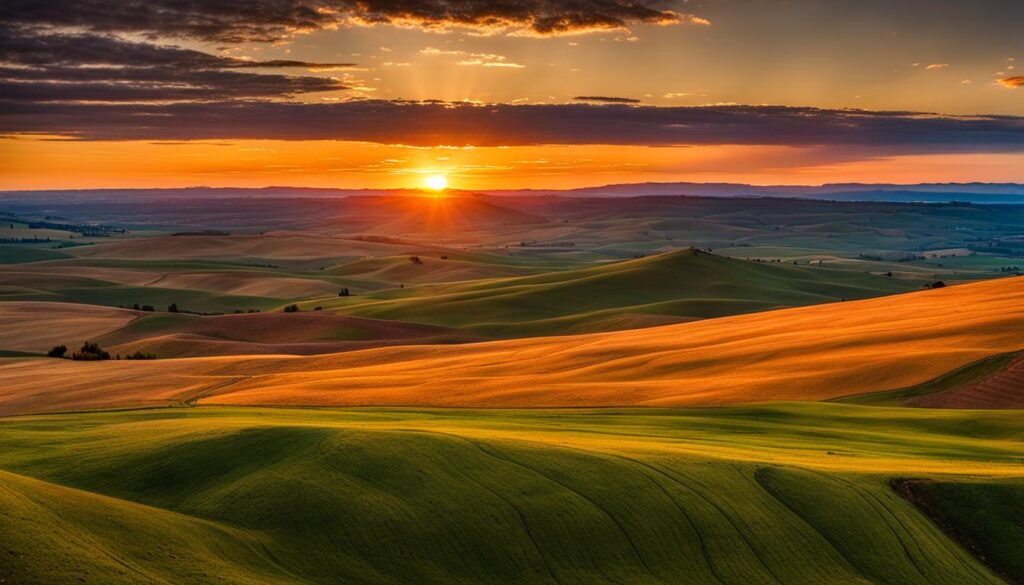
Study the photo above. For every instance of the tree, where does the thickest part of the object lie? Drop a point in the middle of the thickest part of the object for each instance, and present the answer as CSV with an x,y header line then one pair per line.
x,y
172,308
291,309
91,351
57,351
344,292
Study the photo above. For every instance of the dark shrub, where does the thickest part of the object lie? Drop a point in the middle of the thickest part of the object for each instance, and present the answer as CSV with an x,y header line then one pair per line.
x,y
57,351
90,351
291,309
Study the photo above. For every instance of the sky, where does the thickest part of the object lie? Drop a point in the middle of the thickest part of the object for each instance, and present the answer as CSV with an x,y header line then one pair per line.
x,y
508,93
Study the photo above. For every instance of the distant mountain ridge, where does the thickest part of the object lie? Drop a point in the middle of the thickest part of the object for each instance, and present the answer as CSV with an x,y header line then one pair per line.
x,y
921,192
976,192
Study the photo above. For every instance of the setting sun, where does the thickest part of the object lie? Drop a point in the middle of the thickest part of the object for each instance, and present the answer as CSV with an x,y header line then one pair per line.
x,y
436,182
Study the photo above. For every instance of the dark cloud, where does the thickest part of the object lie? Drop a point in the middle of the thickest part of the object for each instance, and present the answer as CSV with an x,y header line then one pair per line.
x,y
431,124
606,99
154,84
90,67
268,20
50,49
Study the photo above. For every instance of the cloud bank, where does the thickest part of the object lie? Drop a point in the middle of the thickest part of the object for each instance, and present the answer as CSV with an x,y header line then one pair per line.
x,y
438,123
270,20
92,67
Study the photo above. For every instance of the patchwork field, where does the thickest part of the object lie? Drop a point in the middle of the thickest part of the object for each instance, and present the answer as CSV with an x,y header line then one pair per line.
x,y
394,390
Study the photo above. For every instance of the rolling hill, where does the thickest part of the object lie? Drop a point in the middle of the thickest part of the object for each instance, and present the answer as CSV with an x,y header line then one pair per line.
x,y
807,353
781,494
675,286
37,326
169,335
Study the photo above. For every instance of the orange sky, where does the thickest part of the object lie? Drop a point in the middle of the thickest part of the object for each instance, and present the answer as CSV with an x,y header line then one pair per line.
x,y
30,163
960,62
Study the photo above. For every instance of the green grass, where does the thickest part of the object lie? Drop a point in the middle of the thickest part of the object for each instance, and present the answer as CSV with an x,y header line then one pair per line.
x,y
159,298
10,353
20,254
988,517
682,284
791,493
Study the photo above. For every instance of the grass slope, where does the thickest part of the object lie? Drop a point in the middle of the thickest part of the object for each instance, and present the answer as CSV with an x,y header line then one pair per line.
x,y
685,284
986,517
807,353
790,494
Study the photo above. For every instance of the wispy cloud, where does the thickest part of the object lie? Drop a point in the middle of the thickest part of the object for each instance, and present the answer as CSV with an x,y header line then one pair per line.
x,y
467,58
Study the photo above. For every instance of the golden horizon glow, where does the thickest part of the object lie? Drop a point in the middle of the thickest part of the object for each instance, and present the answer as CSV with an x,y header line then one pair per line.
x,y
41,163
436,182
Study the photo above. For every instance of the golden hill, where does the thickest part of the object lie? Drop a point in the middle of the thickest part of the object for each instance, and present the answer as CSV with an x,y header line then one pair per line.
x,y
808,353
36,326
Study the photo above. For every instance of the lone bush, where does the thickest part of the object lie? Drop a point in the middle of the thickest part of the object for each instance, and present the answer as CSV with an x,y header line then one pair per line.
x,y
57,351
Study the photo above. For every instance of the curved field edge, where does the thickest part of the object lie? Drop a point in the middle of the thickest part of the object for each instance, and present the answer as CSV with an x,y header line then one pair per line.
x,y
788,493
957,379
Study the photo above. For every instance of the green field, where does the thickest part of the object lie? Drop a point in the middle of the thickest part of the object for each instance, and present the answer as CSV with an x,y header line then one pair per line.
x,y
684,285
17,254
790,493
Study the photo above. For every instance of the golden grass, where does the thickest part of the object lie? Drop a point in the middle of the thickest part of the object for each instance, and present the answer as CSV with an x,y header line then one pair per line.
x,y
808,353
38,326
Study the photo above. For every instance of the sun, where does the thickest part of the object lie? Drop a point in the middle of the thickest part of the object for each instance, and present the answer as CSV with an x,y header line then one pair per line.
x,y
436,182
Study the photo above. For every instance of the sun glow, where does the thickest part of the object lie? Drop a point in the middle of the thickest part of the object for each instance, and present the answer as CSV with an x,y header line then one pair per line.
x,y
436,182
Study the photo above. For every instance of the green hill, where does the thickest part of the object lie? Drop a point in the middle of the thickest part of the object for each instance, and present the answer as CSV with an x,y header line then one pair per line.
x,y
781,494
671,287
